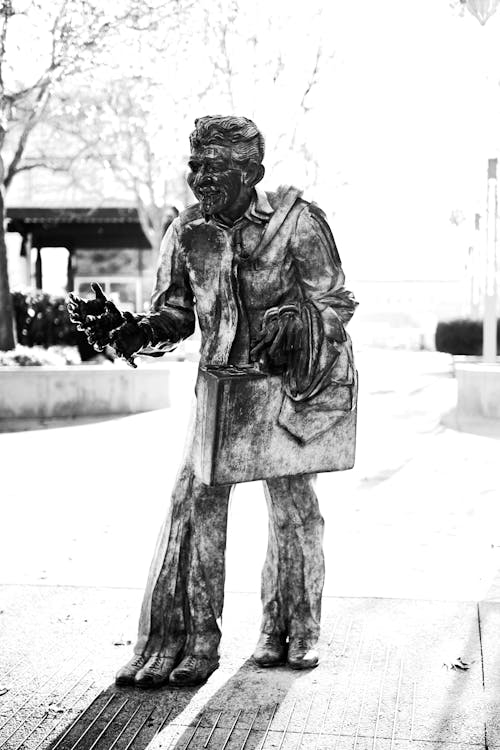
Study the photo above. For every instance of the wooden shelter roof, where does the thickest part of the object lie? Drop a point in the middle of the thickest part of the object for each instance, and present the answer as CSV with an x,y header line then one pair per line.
x,y
110,227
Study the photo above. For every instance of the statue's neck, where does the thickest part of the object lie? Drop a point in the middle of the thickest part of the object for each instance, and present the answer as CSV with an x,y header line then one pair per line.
x,y
238,208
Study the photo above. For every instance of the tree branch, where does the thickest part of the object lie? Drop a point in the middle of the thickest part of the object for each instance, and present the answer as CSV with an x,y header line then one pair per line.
x,y
38,109
6,12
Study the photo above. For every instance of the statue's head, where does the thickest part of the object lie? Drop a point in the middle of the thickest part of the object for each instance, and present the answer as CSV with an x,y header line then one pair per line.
x,y
225,164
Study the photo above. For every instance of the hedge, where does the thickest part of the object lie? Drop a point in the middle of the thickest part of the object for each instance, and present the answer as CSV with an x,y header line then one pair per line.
x,y
462,336
42,319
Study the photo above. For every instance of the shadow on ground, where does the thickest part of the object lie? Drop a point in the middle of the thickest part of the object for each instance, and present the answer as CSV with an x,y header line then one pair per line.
x,y
30,425
123,718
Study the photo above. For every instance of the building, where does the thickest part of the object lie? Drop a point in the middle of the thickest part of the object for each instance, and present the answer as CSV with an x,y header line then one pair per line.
x,y
105,244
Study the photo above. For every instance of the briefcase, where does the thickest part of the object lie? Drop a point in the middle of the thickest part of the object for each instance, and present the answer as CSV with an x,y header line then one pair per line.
x,y
239,438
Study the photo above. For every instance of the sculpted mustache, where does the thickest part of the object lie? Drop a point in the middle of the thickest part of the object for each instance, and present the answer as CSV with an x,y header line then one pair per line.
x,y
208,199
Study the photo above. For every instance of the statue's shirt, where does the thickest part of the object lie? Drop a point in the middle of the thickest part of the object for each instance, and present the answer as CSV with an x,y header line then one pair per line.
x,y
280,252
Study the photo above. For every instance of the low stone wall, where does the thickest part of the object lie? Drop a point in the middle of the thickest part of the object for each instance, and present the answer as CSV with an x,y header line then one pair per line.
x,y
87,390
478,388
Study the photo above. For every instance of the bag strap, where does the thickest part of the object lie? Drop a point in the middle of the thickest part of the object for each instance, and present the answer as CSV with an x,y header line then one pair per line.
x,y
277,220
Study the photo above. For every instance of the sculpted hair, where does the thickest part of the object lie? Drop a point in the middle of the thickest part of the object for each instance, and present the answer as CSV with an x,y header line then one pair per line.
x,y
239,133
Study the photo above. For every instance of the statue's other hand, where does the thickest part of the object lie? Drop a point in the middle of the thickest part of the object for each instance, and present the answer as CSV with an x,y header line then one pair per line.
x,y
281,336
128,338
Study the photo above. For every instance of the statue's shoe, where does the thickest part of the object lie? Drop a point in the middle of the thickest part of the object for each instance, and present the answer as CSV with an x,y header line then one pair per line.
x,y
156,671
126,675
302,653
193,670
270,650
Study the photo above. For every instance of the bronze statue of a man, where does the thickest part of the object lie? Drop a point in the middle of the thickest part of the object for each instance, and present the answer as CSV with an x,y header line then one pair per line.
x,y
264,276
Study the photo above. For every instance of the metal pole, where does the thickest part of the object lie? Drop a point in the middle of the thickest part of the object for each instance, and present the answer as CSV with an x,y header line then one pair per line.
x,y
478,268
490,294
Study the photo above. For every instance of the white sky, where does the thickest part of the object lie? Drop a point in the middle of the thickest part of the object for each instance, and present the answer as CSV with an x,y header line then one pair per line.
x,y
408,118
419,119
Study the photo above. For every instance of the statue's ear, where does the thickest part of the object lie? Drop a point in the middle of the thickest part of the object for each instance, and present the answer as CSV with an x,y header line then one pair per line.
x,y
254,174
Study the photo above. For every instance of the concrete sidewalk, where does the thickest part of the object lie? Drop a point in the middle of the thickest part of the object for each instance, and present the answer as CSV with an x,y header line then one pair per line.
x,y
385,679
412,547
418,516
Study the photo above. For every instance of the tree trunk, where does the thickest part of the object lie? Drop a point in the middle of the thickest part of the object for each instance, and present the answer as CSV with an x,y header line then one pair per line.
x,y
6,312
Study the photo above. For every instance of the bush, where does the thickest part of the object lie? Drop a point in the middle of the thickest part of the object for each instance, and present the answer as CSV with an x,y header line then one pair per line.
x,y
462,336
42,319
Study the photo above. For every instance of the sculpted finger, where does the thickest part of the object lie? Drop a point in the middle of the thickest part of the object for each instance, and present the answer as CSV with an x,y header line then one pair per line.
x,y
73,310
74,317
258,348
279,338
270,317
263,342
110,306
97,289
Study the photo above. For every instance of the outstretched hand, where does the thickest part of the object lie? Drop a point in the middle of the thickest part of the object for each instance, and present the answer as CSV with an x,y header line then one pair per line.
x,y
95,317
79,309
128,337
105,325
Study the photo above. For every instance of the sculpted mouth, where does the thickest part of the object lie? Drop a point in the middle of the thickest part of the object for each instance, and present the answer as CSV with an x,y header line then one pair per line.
x,y
209,198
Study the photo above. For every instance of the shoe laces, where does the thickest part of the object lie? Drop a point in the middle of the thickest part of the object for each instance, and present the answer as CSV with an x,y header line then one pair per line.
x,y
157,664
138,661
300,644
271,640
188,664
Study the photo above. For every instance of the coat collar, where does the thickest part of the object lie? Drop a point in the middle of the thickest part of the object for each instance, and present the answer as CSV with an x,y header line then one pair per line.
x,y
259,210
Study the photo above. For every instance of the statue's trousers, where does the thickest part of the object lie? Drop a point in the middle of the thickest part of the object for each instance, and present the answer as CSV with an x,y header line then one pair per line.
x,y
184,596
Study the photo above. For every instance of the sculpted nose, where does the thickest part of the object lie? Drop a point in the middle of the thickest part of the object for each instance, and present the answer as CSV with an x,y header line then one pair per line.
x,y
204,179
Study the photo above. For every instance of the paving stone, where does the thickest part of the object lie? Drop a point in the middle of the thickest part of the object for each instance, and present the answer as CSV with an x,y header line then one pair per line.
x,y
381,682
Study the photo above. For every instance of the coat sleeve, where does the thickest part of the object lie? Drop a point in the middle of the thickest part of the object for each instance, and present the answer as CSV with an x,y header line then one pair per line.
x,y
319,271
171,318
326,308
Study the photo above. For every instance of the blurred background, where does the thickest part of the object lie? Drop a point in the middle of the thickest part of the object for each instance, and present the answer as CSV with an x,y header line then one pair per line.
x,y
385,113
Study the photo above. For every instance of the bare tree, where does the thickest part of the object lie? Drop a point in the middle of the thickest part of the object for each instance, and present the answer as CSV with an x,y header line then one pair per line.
x,y
125,132
63,40
123,147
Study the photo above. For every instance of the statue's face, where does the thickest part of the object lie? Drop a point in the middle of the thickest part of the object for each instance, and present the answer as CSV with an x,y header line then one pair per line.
x,y
214,179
